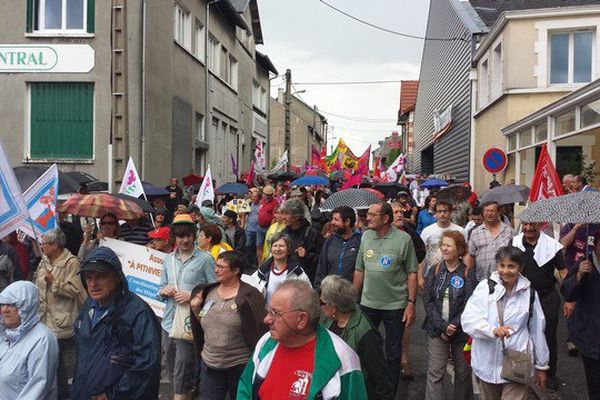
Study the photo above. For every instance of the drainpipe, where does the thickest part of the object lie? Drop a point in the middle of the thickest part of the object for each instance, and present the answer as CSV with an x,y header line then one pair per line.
x,y
473,79
207,118
143,100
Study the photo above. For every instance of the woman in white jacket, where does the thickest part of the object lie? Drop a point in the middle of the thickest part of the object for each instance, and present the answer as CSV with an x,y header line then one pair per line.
x,y
506,289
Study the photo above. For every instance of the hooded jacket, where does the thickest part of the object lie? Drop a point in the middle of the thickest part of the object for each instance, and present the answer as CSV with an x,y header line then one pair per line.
x,y
293,271
29,353
312,241
338,257
120,354
480,318
60,302
336,373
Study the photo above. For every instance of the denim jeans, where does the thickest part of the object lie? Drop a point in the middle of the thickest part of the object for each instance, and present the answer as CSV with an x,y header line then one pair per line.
x,y
218,383
394,329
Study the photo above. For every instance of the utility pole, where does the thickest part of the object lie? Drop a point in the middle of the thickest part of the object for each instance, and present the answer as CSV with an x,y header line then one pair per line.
x,y
288,104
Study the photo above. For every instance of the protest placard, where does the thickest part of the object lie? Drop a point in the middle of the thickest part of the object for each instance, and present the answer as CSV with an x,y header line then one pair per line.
x,y
142,267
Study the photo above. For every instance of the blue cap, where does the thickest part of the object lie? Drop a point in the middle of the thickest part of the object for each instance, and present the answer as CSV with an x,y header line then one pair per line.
x,y
101,259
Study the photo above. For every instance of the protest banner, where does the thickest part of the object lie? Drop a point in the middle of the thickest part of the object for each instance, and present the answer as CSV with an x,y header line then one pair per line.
x,y
142,267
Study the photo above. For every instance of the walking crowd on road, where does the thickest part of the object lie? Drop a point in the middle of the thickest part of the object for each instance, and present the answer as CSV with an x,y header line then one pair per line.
x,y
292,299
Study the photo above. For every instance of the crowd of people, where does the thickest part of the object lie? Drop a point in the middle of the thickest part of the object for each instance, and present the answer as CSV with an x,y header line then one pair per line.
x,y
289,301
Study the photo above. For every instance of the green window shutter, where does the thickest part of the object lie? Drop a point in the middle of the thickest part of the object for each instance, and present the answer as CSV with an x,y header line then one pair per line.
x,y
62,120
91,16
29,22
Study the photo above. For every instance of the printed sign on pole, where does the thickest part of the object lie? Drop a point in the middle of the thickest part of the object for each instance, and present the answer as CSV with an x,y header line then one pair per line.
x,y
495,160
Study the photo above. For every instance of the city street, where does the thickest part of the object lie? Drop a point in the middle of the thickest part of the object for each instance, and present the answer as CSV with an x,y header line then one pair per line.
x,y
570,370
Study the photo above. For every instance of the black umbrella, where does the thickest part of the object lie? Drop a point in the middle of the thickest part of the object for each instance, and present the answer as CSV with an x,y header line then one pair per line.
x,y
28,174
390,189
282,176
449,193
81,177
97,186
508,194
353,198
144,205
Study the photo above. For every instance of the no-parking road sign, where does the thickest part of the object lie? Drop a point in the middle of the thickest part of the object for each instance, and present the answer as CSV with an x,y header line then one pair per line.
x,y
495,160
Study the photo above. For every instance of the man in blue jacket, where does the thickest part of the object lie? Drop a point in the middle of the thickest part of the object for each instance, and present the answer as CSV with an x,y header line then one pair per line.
x,y
117,336
338,254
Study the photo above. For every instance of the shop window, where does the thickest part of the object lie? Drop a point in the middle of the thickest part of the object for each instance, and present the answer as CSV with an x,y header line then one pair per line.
x,y
61,120
565,123
590,114
541,132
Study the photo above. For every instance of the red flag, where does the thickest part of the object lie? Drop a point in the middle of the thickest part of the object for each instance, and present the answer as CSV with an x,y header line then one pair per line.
x,y
315,156
250,177
322,161
365,157
545,183
356,178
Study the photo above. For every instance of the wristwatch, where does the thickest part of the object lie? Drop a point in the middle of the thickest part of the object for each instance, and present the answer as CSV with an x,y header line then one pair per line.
x,y
412,301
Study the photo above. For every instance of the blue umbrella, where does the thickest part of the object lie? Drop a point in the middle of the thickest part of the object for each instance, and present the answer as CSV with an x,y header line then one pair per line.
x,y
434,183
152,190
233,188
310,180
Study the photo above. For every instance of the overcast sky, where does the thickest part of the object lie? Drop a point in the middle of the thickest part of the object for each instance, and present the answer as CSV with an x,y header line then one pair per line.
x,y
320,44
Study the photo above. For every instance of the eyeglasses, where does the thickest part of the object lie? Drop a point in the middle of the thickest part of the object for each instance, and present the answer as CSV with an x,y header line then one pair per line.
x,y
373,214
108,223
278,314
220,267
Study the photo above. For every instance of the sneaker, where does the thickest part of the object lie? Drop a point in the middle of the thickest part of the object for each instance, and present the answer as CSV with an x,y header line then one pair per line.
x,y
551,383
572,349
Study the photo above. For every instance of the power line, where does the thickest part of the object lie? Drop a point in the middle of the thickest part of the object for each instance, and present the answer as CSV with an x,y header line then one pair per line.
x,y
357,119
406,35
363,130
346,83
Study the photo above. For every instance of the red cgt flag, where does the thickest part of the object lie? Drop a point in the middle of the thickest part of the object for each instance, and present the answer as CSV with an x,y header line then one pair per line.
x,y
545,183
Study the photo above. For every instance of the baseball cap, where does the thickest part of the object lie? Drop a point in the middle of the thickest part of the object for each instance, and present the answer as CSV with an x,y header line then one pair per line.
x,y
268,190
101,259
163,233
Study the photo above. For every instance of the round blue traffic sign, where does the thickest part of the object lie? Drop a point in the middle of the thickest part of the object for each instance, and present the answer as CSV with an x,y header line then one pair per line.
x,y
495,160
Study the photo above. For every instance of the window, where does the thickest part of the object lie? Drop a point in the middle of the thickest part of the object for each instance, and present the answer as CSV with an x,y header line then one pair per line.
x,y
213,54
223,63
61,120
541,132
571,56
259,97
565,123
483,84
525,138
60,15
590,114
182,28
232,72
512,142
496,84
200,132
199,36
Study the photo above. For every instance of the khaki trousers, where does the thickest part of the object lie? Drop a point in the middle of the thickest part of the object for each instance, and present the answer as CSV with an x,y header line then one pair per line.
x,y
503,391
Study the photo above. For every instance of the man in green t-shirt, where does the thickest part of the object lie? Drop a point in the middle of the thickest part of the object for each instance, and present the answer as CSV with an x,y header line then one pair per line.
x,y
386,271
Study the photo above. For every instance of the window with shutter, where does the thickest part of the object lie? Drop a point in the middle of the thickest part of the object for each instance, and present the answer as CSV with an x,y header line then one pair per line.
x,y
61,120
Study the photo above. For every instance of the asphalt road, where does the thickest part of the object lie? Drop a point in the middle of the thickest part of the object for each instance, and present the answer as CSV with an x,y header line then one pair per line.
x,y
570,370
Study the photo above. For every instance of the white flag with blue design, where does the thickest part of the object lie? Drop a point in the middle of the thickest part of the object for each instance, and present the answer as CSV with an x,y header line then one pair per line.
x,y
13,211
41,199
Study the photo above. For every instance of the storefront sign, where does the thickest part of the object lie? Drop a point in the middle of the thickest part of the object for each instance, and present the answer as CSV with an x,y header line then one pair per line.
x,y
52,58
442,122
142,267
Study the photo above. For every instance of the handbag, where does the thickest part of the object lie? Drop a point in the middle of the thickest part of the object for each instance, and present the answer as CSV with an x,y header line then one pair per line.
x,y
516,365
182,326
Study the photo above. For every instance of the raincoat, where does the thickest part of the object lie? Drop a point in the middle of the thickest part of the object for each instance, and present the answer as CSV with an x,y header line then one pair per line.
x,y
28,353
119,354
480,318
